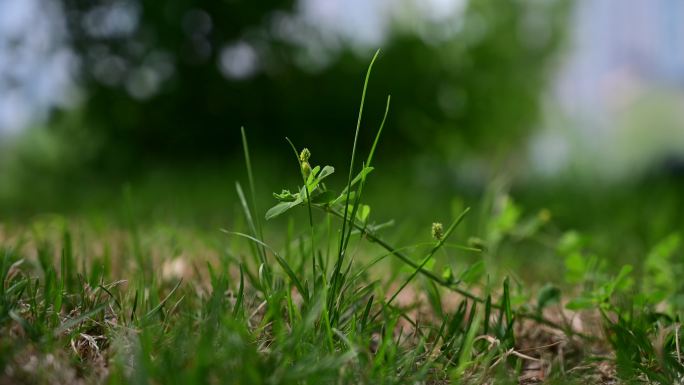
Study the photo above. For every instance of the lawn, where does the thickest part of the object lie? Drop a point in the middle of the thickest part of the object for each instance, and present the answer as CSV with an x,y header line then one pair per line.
x,y
319,288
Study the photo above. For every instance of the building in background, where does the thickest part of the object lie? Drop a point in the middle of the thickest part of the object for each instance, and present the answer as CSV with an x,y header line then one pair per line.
x,y
618,104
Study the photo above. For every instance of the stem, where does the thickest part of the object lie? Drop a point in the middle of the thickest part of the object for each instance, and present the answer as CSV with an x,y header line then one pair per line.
x,y
313,235
450,286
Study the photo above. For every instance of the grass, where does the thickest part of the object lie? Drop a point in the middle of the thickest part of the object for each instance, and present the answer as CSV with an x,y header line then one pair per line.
x,y
334,302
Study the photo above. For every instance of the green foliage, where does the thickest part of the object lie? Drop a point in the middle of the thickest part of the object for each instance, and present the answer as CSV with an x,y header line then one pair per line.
x,y
478,88
645,339
315,310
548,295
313,190
662,270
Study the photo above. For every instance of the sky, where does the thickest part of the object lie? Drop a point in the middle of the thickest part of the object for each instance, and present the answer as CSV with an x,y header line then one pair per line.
x,y
36,67
617,102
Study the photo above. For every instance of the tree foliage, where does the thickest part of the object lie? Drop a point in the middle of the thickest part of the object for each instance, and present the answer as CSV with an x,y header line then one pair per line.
x,y
156,88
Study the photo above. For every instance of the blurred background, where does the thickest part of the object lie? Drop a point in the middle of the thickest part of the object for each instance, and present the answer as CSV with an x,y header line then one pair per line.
x,y
575,107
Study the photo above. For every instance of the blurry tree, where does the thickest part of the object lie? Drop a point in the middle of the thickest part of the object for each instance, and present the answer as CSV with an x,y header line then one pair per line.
x,y
173,81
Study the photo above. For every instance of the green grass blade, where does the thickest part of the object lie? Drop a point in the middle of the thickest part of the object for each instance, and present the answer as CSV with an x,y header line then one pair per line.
x,y
73,322
282,262
250,178
253,218
241,294
160,304
353,156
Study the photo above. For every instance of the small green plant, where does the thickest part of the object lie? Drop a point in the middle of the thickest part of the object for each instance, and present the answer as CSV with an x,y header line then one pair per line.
x,y
319,309
350,311
646,340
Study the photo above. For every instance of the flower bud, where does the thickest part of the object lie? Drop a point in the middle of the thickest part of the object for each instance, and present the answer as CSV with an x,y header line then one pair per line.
x,y
437,231
304,155
544,215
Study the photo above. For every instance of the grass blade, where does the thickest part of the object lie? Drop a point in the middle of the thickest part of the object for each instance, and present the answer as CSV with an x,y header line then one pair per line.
x,y
288,270
251,212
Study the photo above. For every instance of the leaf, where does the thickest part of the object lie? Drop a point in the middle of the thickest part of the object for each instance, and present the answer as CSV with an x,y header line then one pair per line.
x,y
548,295
341,198
160,304
473,273
571,242
447,274
509,216
429,265
580,303
323,198
303,194
293,277
285,195
283,263
575,267
241,294
361,174
314,182
327,171
312,175
363,213
660,278
376,227
74,321
281,208
465,355
622,281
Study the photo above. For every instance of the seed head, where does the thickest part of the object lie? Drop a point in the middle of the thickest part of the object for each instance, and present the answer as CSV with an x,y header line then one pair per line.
x,y
437,231
304,155
304,162
544,215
